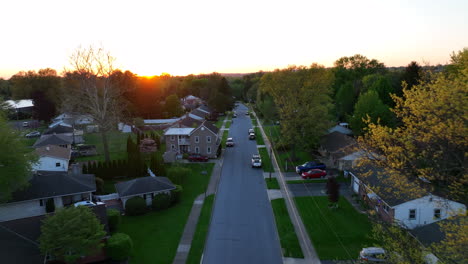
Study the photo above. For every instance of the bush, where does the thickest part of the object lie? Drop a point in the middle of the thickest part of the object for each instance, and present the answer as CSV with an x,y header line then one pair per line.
x,y
50,205
176,174
135,206
161,201
99,185
185,156
176,194
119,246
113,218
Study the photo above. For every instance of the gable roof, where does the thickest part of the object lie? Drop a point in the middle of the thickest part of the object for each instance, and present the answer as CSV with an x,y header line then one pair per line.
x,y
211,127
205,109
51,184
196,116
54,139
20,103
54,152
187,121
58,129
374,177
144,185
335,141
199,113
175,131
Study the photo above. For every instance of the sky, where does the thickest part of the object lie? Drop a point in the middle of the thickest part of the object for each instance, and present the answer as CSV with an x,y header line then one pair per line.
x,y
228,36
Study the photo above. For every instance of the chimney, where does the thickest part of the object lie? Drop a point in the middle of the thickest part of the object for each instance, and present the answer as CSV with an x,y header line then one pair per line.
x,y
76,169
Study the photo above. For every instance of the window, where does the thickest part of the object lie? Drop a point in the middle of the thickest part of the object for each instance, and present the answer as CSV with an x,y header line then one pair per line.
x,y
385,207
412,214
208,150
173,147
144,196
197,150
57,164
208,139
437,213
172,138
41,202
197,139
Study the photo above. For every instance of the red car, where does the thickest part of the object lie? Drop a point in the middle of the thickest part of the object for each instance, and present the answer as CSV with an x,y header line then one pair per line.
x,y
314,173
197,157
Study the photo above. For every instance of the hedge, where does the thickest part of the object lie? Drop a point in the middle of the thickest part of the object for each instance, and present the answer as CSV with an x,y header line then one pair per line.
x,y
113,218
119,246
161,201
135,206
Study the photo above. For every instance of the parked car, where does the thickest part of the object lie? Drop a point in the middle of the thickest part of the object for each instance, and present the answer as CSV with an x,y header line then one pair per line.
x,y
310,165
251,130
372,255
33,134
252,136
197,157
234,115
247,113
256,161
84,203
229,142
25,124
313,174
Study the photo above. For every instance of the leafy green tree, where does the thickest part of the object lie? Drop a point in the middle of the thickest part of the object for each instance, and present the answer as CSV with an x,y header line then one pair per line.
x,y
303,98
345,99
15,161
333,191
70,233
173,106
412,74
119,246
452,249
113,218
381,84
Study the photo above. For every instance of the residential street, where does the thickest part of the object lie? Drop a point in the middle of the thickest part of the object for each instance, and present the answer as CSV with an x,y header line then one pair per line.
x,y
242,229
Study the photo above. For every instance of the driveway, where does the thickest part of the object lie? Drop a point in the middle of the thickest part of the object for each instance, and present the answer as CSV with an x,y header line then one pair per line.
x,y
314,189
242,228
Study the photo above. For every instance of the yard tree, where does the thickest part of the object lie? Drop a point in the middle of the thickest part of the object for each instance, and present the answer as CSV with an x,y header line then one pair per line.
x,y
381,84
94,89
431,142
302,95
70,233
344,100
412,74
452,249
15,161
333,191
173,106
370,106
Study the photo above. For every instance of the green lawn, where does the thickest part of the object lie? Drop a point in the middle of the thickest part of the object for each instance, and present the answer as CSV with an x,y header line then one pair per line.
x,y
272,183
266,161
227,124
117,145
199,238
219,123
223,140
288,237
156,235
254,121
259,137
337,234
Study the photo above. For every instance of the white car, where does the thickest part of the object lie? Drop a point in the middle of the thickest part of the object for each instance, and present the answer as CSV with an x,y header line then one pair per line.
x,y
252,136
229,142
372,255
251,130
256,161
84,203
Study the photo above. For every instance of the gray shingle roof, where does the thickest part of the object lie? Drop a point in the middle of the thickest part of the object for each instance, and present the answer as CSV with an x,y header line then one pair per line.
x,y
50,184
59,129
54,139
187,121
54,151
144,185
211,127
335,141
205,108
199,113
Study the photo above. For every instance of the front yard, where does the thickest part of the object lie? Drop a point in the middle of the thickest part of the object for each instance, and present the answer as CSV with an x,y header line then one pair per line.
x,y
288,238
266,161
156,235
337,234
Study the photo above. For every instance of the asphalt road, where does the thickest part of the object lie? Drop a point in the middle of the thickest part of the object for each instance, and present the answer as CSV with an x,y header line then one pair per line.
x,y
242,229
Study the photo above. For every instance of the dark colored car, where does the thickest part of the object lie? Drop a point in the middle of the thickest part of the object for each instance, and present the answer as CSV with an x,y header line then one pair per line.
x,y
309,166
314,174
197,157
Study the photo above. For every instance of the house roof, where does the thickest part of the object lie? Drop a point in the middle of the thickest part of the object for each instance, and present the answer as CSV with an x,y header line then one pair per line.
x,y
211,127
54,139
161,121
432,233
20,103
199,113
50,184
335,141
341,129
61,123
54,152
205,109
196,116
144,185
188,121
175,131
375,177
58,129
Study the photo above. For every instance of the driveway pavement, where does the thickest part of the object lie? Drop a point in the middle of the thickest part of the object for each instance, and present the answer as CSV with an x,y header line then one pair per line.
x,y
242,228
314,189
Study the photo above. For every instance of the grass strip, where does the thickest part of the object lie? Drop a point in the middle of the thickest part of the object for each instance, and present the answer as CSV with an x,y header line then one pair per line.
x,y
272,183
266,161
259,137
287,234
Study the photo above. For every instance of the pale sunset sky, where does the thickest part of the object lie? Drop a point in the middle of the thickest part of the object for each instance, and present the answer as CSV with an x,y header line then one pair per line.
x,y
183,37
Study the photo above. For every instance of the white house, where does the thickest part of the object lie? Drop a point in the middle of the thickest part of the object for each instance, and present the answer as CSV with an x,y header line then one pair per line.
x,y
408,212
52,158
61,188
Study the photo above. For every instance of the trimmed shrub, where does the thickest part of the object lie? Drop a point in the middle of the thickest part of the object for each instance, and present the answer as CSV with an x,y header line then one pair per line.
x,y
50,205
135,206
119,246
177,174
161,201
176,194
113,218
